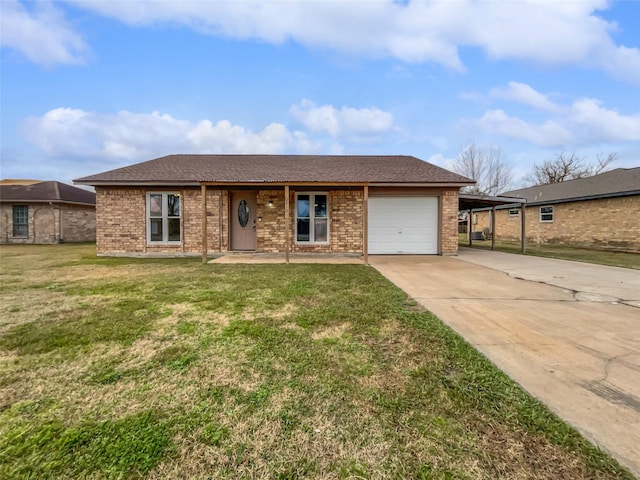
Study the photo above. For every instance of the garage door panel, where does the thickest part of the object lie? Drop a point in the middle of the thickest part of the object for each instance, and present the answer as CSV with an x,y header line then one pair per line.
x,y
403,225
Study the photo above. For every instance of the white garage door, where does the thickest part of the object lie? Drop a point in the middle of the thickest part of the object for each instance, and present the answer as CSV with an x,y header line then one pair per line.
x,y
404,225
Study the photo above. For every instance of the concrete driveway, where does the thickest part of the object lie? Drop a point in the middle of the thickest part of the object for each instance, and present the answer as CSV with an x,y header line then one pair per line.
x,y
568,332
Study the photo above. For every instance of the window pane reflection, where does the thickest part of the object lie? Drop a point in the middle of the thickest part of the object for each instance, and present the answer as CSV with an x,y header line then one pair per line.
x,y
174,229
173,205
156,229
320,230
155,205
303,206
303,230
320,206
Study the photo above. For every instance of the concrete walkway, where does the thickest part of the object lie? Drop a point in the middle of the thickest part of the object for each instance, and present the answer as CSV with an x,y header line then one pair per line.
x,y
568,332
589,282
325,258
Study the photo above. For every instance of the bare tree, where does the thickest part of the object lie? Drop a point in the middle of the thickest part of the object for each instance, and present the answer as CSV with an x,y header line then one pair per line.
x,y
603,162
487,166
567,167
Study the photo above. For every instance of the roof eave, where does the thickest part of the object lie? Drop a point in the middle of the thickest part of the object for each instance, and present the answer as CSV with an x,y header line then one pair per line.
x,y
66,202
134,183
281,184
131,183
585,198
422,184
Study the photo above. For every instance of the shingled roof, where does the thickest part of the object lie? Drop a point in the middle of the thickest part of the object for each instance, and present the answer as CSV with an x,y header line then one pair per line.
x,y
279,169
615,183
50,191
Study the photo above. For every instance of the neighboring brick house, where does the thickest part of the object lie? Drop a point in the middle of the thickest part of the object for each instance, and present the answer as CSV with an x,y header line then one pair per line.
x,y
277,203
601,211
33,211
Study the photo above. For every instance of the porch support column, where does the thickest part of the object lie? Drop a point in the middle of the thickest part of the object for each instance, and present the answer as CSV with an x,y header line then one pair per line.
x,y
523,228
287,224
470,225
204,223
365,225
493,228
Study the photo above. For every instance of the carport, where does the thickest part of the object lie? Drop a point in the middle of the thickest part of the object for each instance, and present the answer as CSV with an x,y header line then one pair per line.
x,y
470,202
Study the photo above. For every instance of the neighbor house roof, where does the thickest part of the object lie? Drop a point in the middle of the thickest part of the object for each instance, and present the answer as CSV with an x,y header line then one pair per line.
x,y
615,183
49,191
278,169
18,181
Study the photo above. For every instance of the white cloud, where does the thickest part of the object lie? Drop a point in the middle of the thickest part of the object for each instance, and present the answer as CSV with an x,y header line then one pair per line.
x,y
343,122
40,33
223,137
584,122
548,134
523,93
540,31
73,133
442,161
604,125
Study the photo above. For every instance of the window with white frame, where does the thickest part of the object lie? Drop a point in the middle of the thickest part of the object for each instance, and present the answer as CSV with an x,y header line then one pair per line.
x,y
20,220
546,214
312,218
163,217
514,212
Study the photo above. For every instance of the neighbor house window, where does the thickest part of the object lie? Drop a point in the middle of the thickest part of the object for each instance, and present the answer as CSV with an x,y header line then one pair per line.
x,y
20,221
546,214
514,212
312,221
163,220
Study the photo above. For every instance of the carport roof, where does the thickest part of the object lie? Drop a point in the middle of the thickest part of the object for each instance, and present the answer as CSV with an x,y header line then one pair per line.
x,y
467,201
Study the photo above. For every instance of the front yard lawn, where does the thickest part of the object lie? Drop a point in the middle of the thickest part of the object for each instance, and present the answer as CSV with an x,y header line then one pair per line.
x,y
130,368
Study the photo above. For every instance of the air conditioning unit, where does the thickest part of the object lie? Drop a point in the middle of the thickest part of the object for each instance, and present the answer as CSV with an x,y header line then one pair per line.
x,y
477,235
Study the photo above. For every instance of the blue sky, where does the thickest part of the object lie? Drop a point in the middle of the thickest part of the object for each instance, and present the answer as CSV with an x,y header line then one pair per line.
x,y
91,85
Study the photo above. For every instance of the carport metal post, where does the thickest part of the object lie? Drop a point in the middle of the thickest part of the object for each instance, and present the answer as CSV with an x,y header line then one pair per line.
x,y
493,228
523,229
470,225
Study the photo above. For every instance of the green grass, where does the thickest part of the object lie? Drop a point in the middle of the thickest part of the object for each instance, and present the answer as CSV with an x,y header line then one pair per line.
x,y
565,252
129,368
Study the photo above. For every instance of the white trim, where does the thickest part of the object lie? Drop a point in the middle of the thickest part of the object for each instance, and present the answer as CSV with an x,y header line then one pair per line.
x,y
164,217
311,218
546,213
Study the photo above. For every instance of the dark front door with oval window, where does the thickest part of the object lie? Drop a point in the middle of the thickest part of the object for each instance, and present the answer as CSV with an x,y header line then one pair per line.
x,y
243,220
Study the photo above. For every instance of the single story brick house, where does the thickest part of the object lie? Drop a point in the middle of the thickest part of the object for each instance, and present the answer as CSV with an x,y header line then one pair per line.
x,y
205,204
34,211
601,211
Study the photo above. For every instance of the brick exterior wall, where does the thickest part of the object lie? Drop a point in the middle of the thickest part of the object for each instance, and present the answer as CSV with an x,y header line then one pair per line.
x,y
345,223
608,223
270,230
449,222
50,224
121,221
346,235
78,223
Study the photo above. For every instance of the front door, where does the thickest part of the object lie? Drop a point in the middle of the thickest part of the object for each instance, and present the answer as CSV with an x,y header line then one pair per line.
x,y
243,220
